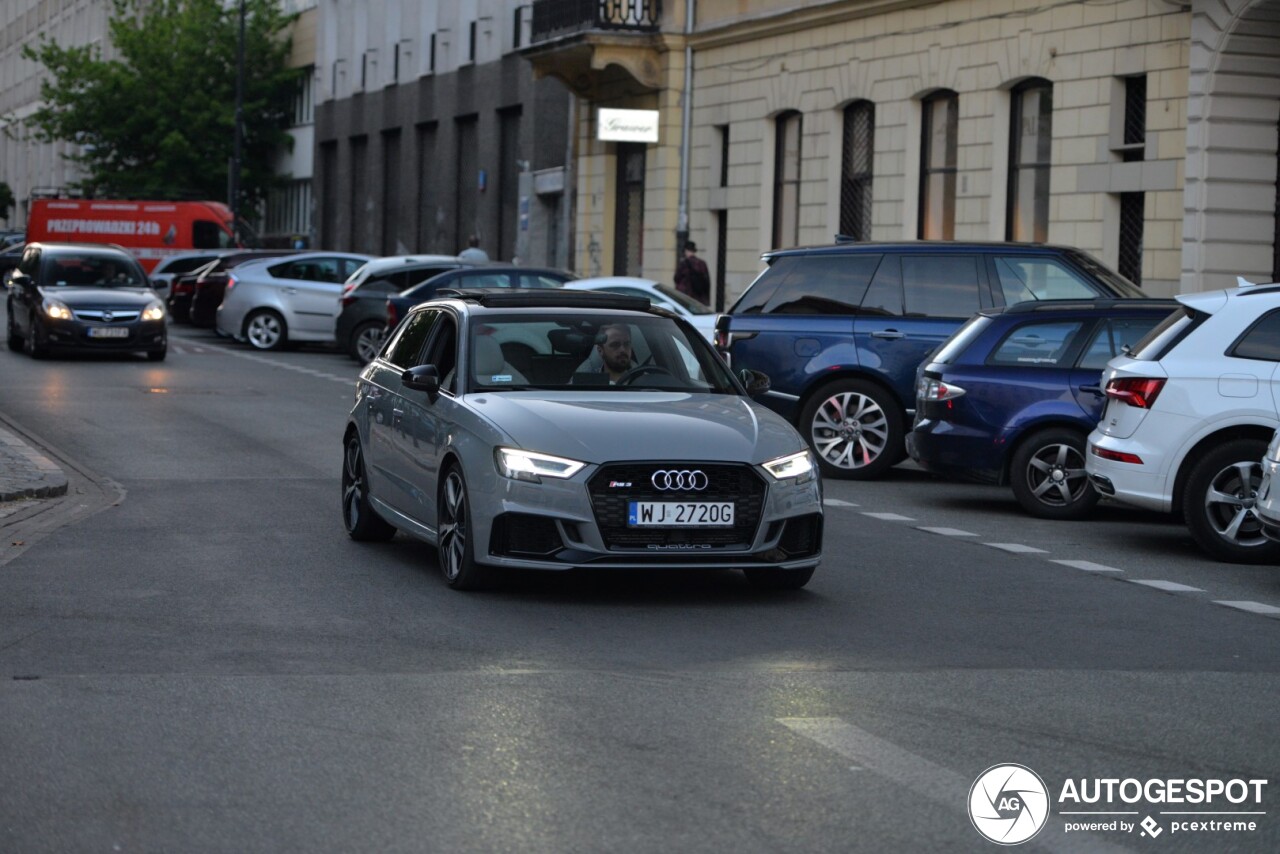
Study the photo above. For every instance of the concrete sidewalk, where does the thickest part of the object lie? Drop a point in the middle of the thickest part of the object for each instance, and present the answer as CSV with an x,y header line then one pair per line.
x,y
27,473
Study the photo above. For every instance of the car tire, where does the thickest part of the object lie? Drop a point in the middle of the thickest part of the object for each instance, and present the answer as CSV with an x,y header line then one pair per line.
x,y
31,343
454,534
358,516
157,355
773,578
1217,503
15,340
265,329
366,341
855,429
1048,477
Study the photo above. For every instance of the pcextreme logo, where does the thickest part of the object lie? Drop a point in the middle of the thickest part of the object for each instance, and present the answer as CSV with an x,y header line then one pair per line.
x,y
1009,804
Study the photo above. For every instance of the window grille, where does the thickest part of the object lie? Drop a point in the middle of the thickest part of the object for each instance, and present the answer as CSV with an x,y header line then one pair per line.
x,y
856,170
1130,262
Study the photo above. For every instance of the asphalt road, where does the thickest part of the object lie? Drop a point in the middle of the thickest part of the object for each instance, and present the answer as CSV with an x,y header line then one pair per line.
x,y
194,657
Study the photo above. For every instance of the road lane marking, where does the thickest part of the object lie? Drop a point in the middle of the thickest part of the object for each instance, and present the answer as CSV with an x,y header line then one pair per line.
x,y
1088,566
836,502
888,517
1251,607
947,532
1016,548
927,779
1169,586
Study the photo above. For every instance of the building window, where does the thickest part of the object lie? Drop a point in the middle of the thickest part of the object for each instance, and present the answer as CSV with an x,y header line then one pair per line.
x,y
1135,117
724,156
364,70
1030,145
517,29
304,99
855,170
938,166
471,41
289,210
786,181
1131,220
431,64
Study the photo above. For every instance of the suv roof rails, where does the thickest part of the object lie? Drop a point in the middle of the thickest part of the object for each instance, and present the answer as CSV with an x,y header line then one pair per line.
x,y
1099,302
846,238
545,297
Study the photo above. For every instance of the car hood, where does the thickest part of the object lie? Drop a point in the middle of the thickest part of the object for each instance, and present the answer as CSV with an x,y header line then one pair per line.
x,y
95,297
598,427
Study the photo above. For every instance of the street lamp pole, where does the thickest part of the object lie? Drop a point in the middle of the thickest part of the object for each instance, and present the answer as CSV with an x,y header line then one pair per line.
x,y
235,153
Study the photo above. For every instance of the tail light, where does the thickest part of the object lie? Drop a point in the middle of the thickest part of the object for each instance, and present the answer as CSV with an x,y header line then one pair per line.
x,y
346,289
231,281
184,287
1140,392
346,301
393,317
722,339
931,389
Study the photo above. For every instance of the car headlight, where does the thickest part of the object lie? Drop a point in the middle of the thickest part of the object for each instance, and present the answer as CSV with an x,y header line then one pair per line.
x,y
155,311
800,466
527,465
56,309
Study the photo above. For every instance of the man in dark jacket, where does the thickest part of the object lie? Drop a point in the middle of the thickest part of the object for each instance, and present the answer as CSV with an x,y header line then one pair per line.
x,y
692,277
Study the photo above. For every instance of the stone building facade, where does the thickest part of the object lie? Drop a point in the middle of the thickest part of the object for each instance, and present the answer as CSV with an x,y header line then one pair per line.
x,y
1143,131
431,128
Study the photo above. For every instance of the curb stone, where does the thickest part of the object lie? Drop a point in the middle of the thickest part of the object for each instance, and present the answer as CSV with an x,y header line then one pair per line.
x,y
25,472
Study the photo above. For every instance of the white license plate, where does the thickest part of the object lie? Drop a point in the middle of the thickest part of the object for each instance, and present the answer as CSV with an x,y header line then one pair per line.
x,y
679,514
108,332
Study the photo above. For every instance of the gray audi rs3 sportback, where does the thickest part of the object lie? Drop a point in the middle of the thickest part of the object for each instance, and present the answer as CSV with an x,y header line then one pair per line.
x,y
550,429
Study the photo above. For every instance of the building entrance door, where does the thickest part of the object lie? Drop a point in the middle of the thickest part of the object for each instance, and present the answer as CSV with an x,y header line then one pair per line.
x,y
628,243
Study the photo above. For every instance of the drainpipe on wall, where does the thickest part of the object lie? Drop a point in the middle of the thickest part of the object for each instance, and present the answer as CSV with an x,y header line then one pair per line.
x,y
682,216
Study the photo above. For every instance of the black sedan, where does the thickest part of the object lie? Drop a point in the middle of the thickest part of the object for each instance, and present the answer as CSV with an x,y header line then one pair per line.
x,y
474,277
92,297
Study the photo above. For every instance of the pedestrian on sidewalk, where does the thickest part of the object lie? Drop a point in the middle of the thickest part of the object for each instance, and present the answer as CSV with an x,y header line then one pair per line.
x,y
692,277
473,252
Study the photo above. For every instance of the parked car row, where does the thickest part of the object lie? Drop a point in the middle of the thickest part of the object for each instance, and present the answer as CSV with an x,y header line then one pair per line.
x,y
1063,383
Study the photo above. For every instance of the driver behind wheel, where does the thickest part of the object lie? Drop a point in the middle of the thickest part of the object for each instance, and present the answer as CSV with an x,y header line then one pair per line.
x,y
612,357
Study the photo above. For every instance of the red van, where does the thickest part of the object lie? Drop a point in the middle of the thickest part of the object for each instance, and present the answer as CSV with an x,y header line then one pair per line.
x,y
150,230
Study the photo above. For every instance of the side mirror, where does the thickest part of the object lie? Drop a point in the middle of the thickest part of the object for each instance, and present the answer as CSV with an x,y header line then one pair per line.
x,y
757,383
422,378
158,287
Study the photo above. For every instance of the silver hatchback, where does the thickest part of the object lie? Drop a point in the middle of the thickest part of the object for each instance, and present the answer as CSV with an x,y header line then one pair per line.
x,y
549,429
274,301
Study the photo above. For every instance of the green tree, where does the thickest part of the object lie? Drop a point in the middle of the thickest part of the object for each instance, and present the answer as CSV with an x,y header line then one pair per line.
x,y
6,200
159,120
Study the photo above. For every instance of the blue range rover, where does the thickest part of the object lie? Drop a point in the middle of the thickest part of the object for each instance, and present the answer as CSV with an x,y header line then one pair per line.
x,y
841,329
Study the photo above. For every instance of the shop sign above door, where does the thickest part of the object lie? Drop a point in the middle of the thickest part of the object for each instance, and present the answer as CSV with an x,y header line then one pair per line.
x,y
627,125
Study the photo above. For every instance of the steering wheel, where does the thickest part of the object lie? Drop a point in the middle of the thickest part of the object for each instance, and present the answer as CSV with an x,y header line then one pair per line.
x,y
640,371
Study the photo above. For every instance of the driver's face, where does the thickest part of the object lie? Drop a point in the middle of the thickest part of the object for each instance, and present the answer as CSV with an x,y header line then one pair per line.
x,y
616,351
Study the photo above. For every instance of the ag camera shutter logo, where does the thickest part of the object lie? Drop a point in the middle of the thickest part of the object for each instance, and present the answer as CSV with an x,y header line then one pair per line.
x,y
1008,804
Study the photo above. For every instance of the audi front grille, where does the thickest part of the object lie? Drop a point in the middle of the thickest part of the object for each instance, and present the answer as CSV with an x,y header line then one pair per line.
x,y
738,483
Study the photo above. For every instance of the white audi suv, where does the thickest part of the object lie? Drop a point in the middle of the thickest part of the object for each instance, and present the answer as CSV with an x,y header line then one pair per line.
x,y
1188,417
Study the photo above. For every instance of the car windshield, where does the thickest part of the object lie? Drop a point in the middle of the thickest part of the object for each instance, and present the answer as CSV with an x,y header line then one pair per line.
x,y
594,351
96,271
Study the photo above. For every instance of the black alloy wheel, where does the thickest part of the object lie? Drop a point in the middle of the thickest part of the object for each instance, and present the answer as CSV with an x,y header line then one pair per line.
x,y
457,552
15,339
1218,503
855,428
1048,476
358,516
32,344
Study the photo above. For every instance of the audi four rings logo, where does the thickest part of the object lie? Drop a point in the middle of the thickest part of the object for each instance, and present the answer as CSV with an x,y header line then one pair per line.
x,y
664,480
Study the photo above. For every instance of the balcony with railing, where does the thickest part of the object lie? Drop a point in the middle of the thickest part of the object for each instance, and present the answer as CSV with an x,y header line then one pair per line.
x,y
555,18
589,43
